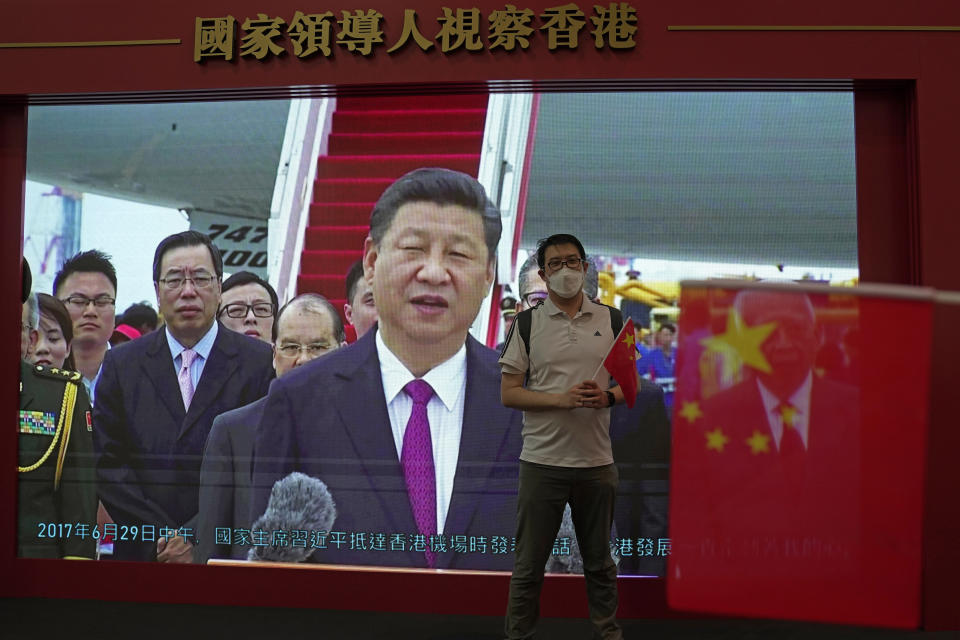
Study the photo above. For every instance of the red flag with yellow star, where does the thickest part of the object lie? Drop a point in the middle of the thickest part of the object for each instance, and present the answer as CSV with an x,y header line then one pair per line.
x,y
621,362
796,435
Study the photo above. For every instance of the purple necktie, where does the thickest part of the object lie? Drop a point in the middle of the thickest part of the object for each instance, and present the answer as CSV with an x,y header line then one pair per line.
x,y
186,384
417,461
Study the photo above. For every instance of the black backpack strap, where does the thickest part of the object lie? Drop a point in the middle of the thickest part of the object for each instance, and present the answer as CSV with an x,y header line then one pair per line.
x,y
521,324
616,321
523,321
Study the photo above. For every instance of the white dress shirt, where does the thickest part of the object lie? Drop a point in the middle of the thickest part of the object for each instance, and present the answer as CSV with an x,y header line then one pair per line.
x,y
444,410
801,420
203,349
91,385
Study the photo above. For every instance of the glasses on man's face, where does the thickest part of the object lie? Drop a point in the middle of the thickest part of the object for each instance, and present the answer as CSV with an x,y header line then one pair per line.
x,y
572,263
292,350
176,282
80,303
535,298
240,310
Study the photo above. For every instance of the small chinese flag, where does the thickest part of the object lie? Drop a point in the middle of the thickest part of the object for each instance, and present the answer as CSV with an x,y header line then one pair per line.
x,y
621,362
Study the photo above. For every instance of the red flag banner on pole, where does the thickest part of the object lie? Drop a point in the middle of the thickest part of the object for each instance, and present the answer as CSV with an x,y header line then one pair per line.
x,y
798,452
621,362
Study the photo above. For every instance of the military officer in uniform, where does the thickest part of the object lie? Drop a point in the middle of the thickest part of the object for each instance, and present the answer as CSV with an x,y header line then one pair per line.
x,y
57,497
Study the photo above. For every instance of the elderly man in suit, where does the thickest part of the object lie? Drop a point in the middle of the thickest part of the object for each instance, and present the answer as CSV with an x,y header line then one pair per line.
x,y
779,451
157,398
405,426
307,327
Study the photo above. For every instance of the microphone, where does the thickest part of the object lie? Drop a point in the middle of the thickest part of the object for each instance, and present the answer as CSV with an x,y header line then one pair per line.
x,y
297,502
573,562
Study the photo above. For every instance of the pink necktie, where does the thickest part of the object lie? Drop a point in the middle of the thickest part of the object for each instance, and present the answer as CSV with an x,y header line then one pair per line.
x,y
186,384
416,459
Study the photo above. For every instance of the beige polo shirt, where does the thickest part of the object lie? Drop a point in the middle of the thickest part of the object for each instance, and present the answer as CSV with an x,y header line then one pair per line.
x,y
564,352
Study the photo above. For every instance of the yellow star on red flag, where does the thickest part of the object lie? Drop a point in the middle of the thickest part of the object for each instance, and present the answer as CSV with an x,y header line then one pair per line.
x,y
742,341
629,340
758,443
716,440
691,411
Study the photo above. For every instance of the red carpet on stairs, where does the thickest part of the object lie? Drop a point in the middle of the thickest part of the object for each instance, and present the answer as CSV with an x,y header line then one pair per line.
x,y
373,141
400,143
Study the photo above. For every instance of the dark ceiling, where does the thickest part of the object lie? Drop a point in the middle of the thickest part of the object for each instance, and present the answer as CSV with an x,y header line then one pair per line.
x,y
759,178
213,156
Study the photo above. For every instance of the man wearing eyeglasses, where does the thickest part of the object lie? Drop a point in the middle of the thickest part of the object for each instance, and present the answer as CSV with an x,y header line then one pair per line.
x,y
248,305
533,290
307,327
158,397
565,395
87,286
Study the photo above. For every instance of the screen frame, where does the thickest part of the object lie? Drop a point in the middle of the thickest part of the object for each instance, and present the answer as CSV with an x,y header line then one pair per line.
x,y
883,186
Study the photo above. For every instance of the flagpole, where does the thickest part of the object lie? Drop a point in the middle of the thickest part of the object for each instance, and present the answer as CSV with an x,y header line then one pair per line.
x,y
597,372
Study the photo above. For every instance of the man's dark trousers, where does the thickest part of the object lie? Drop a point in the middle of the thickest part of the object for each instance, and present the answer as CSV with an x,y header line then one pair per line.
x,y
544,492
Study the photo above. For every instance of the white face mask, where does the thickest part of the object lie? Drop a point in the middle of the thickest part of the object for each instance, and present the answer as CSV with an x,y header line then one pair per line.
x,y
566,283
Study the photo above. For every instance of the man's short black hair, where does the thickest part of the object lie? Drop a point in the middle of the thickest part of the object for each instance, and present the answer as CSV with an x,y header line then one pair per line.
x,y
315,303
353,277
241,278
187,239
442,187
672,328
555,239
139,314
93,261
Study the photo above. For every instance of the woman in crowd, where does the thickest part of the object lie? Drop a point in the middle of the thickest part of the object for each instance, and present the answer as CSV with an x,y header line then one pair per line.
x,y
56,333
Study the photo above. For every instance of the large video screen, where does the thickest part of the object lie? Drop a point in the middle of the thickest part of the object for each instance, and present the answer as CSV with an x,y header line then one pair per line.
x,y
251,394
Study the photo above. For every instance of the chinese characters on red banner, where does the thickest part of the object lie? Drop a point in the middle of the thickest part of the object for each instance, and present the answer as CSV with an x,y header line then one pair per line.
x,y
360,31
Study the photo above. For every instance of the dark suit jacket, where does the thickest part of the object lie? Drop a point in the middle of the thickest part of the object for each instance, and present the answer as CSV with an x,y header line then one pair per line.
x,y
640,438
225,480
328,419
148,448
756,503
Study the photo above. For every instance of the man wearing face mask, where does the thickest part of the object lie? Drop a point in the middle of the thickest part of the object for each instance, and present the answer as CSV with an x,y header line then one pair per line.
x,y
566,454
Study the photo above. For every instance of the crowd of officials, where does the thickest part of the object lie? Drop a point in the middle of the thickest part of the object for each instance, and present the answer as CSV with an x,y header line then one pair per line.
x,y
179,422
78,324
